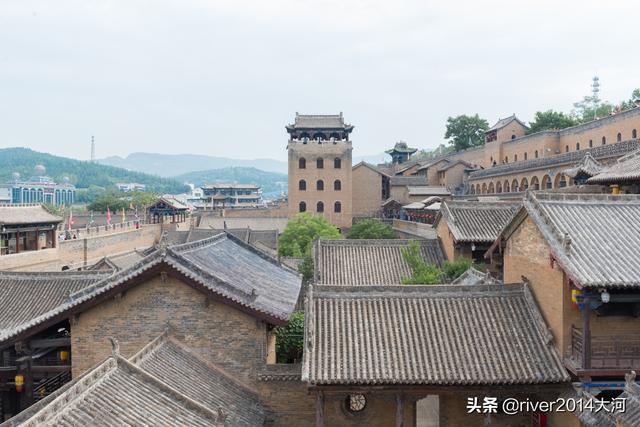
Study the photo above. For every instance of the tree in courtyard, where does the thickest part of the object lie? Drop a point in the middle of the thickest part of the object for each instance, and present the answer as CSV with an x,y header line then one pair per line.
x,y
547,120
371,229
423,273
298,236
466,131
290,339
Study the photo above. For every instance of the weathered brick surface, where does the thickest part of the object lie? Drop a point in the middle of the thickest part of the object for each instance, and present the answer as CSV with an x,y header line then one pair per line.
x,y
232,339
80,252
527,254
367,192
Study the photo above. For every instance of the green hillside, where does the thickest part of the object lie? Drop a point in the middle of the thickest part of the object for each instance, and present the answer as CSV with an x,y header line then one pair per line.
x,y
81,173
272,183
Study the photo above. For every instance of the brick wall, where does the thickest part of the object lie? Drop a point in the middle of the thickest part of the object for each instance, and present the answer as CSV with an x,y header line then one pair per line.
x,y
526,254
328,174
227,337
367,192
446,240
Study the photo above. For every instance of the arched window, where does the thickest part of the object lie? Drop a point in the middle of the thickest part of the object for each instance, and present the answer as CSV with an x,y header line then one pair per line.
x,y
302,207
577,146
535,183
337,163
505,188
320,185
491,188
513,136
506,159
302,185
591,143
604,140
337,185
320,163
498,187
302,163
524,184
546,182
619,137
320,207
514,186
525,156
515,157
536,154
566,148
634,134
337,207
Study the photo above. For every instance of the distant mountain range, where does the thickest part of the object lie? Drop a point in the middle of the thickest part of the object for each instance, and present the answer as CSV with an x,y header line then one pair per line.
x,y
272,183
81,173
178,164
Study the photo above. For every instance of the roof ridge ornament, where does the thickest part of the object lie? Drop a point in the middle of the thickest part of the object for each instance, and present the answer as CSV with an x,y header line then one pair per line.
x,y
115,347
566,242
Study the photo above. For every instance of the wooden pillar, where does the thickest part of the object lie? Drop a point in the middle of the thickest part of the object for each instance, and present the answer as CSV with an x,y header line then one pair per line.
x,y
38,240
26,396
17,242
399,410
586,336
319,409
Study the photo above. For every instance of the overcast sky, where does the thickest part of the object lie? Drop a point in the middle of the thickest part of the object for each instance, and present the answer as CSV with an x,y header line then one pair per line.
x,y
224,77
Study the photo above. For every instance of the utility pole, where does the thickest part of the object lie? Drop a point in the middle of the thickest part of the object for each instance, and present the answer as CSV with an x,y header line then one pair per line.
x,y
595,90
93,150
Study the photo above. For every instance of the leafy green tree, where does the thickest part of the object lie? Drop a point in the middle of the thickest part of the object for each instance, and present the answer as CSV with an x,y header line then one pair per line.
x,y
109,199
371,229
466,131
290,339
143,199
423,273
441,150
454,269
587,110
547,120
301,231
631,102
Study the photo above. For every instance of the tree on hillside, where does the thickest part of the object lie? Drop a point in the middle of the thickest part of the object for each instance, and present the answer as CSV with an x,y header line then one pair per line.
x,y
466,131
109,199
547,120
371,229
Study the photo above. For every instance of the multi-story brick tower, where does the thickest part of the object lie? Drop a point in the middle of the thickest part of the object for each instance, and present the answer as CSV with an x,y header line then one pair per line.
x,y
320,167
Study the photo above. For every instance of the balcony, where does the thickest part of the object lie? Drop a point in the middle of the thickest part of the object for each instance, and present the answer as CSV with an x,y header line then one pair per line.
x,y
608,355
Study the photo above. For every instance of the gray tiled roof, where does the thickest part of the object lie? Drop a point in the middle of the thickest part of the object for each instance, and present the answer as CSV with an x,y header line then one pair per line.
x,y
408,180
117,393
431,334
26,298
587,166
318,121
625,169
368,262
594,237
474,277
26,214
187,372
607,417
503,122
221,264
119,262
477,221
428,190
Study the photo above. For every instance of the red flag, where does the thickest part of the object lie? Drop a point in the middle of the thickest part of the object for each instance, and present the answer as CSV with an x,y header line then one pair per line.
x,y
108,216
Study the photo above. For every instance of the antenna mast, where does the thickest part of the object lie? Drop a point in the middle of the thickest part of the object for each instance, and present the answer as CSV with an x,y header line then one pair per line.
x,y
93,150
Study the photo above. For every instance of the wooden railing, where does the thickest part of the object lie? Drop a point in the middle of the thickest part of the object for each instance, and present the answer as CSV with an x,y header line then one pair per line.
x,y
607,351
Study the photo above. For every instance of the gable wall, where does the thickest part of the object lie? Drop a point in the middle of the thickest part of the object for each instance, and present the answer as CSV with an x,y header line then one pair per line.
x,y
227,337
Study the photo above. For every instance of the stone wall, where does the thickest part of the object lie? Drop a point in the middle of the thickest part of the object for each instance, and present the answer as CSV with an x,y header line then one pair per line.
x,y
86,251
80,252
